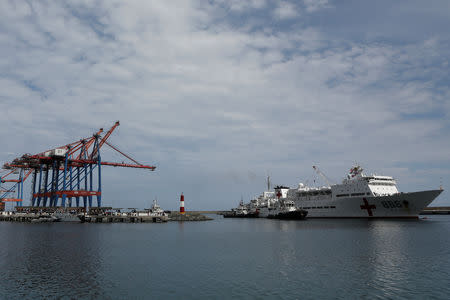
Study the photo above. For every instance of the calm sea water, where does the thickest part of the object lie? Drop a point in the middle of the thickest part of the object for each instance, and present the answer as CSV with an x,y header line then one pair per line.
x,y
228,258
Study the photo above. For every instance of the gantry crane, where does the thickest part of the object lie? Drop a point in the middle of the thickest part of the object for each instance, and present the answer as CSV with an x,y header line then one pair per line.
x,y
64,172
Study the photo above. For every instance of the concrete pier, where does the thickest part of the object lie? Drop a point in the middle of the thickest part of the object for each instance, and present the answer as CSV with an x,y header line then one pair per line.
x,y
22,217
123,219
102,216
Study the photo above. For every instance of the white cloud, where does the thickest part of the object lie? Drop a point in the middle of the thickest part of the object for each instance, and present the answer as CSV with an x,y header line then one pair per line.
x,y
241,5
314,5
286,10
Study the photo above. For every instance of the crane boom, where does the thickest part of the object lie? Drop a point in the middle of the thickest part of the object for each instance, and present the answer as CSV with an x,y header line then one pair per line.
x,y
103,140
325,178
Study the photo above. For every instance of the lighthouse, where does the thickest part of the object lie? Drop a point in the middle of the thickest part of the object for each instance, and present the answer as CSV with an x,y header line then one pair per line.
x,y
182,204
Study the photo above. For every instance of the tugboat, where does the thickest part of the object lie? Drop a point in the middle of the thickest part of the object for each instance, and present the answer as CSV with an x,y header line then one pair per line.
x,y
157,213
285,210
242,211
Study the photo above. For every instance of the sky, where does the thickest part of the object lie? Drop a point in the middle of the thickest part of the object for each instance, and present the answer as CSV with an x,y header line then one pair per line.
x,y
219,94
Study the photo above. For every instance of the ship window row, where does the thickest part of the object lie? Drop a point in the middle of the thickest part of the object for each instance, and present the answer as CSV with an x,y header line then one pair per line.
x,y
354,194
314,207
312,199
381,179
381,183
315,193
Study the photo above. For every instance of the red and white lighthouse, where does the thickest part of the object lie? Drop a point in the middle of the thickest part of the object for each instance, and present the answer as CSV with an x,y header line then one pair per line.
x,y
182,204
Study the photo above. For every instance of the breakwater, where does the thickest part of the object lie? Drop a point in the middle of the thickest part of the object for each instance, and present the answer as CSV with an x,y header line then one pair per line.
x,y
188,216
171,216
123,219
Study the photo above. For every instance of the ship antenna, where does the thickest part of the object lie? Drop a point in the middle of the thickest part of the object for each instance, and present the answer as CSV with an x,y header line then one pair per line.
x,y
268,183
440,186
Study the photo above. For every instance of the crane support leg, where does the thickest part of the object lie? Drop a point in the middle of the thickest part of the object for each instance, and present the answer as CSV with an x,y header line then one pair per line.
x,y
90,185
77,199
85,185
64,196
99,197
33,199
20,188
39,185
52,186
70,185
55,198
45,186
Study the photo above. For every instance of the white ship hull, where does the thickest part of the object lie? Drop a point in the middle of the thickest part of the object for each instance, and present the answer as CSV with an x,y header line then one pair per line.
x,y
401,205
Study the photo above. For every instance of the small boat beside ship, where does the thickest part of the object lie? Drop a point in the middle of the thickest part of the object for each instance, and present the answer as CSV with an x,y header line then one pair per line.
x,y
242,211
285,210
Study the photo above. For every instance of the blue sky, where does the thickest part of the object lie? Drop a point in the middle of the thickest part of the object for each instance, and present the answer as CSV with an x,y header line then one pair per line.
x,y
219,94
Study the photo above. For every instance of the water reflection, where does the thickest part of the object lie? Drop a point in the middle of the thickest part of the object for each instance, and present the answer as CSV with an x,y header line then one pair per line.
x,y
51,260
226,258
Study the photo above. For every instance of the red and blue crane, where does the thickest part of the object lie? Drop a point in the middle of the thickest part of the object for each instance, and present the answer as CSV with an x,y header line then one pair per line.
x,y
63,174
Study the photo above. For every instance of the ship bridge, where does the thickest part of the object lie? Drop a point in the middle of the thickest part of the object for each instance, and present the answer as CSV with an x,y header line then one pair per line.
x,y
373,185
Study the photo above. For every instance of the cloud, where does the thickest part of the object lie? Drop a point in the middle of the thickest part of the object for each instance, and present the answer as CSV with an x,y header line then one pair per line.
x,y
241,5
286,10
314,5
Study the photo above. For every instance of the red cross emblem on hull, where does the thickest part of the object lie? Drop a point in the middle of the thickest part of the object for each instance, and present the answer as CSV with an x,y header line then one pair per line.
x,y
368,207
